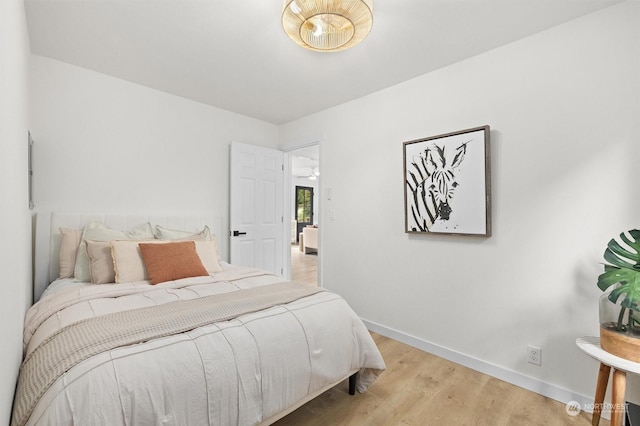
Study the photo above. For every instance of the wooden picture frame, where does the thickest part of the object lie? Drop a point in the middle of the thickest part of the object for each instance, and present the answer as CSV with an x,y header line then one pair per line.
x,y
447,183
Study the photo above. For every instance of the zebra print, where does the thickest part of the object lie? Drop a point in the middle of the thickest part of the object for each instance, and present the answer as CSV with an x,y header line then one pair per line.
x,y
431,182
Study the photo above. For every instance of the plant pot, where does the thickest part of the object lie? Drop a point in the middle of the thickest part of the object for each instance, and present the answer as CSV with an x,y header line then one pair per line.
x,y
622,344
620,341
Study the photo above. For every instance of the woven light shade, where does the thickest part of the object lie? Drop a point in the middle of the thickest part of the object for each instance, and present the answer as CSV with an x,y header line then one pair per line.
x,y
327,25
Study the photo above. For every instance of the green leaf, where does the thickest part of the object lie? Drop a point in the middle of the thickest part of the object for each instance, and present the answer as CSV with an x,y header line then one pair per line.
x,y
614,255
612,275
623,269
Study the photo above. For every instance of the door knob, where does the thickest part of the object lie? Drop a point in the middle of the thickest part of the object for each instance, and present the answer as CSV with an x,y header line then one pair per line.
x,y
238,233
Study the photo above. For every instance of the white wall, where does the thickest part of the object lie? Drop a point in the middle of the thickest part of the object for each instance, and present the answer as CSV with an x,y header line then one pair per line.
x,y
563,107
15,226
107,145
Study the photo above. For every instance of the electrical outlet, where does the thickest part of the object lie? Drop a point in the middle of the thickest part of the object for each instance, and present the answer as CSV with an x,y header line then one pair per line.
x,y
534,355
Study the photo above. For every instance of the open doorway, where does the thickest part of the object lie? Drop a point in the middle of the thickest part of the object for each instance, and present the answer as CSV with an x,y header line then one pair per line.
x,y
305,214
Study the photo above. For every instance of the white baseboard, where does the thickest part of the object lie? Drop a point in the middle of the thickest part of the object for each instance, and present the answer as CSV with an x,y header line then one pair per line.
x,y
551,391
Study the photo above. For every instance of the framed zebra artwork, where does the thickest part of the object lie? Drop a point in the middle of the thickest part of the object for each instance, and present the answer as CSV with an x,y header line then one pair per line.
x,y
447,182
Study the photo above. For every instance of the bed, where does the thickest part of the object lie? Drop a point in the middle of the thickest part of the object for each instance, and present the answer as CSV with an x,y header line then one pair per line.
x,y
172,334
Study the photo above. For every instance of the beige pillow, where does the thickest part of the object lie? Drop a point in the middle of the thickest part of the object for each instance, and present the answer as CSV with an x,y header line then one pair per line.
x,y
69,242
101,262
127,261
97,231
208,253
163,233
171,261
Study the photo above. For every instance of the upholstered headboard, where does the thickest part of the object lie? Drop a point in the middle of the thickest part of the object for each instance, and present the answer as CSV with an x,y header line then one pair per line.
x,y
47,267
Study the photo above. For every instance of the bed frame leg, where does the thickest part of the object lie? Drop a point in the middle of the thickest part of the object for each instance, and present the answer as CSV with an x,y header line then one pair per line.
x,y
352,384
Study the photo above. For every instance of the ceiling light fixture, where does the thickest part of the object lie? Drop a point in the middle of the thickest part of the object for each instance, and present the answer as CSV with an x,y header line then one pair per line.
x,y
327,25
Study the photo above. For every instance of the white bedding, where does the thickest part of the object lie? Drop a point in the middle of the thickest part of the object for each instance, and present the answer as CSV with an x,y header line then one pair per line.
x,y
61,284
238,372
64,283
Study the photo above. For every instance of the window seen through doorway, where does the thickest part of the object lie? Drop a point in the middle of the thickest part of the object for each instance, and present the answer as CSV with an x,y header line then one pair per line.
x,y
304,205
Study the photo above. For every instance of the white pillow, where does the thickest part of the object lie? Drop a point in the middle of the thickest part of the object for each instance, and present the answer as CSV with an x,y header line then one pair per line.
x,y
97,231
163,233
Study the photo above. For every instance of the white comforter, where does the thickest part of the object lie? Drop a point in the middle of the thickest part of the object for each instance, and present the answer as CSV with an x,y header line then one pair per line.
x,y
238,372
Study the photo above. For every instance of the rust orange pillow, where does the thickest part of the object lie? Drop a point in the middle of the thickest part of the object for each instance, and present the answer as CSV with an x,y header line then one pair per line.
x,y
171,261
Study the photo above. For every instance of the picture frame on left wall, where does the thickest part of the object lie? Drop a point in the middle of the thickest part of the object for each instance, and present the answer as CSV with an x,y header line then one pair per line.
x,y
30,169
447,183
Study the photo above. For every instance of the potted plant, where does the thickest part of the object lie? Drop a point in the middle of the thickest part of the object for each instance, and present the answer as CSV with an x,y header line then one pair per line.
x,y
619,305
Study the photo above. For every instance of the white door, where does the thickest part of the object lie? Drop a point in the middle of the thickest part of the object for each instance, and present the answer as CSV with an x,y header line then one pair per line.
x,y
256,204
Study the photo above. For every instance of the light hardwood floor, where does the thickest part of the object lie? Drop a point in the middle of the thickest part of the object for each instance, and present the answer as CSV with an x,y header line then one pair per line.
x,y
419,388
422,389
304,267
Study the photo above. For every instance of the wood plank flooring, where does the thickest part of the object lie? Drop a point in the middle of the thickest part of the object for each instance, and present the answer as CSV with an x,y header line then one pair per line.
x,y
304,267
419,389
422,389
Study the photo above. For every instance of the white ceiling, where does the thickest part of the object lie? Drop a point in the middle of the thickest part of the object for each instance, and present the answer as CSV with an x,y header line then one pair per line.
x,y
233,54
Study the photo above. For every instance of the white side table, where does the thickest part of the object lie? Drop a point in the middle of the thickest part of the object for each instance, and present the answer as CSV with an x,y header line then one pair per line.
x,y
621,366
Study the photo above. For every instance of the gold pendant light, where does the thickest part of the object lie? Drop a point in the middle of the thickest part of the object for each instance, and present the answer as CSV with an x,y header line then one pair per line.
x,y
327,25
